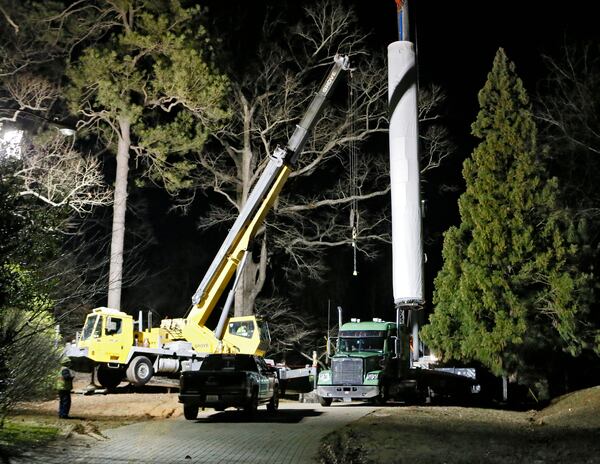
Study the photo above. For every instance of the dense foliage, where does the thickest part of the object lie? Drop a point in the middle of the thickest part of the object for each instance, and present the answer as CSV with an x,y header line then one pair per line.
x,y
154,74
509,293
28,354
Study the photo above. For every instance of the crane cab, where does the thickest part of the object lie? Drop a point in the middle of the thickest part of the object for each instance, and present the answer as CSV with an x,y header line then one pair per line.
x,y
248,335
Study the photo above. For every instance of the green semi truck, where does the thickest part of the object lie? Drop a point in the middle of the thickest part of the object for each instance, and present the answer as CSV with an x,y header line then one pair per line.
x,y
373,363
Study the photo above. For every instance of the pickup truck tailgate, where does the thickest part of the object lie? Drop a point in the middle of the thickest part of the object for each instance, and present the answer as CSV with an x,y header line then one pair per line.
x,y
212,380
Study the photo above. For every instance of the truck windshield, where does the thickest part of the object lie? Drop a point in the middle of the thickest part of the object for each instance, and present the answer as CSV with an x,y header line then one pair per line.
x,y
361,344
89,327
242,328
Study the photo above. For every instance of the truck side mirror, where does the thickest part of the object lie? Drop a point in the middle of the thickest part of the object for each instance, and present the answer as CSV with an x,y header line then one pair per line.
x,y
396,345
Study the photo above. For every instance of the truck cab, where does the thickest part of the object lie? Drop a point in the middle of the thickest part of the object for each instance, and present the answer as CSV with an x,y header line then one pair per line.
x,y
368,356
107,336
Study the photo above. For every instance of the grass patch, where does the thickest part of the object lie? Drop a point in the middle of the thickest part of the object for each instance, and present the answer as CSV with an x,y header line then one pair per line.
x,y
15,436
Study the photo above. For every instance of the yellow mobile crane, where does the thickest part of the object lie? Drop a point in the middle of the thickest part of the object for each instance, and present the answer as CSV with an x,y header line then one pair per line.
x,y
117,348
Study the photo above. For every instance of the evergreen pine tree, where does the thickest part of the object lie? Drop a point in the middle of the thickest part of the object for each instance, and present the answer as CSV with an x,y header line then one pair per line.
x,y
149,90
508,294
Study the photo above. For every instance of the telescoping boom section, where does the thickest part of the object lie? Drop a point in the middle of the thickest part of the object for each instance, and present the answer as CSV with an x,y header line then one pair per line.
x,y
235,245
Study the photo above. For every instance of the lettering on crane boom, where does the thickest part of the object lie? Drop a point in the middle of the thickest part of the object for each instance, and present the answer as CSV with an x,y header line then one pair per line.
x,y
329,82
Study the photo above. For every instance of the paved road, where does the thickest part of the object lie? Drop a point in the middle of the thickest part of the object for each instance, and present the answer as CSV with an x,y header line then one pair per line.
x,y
291,436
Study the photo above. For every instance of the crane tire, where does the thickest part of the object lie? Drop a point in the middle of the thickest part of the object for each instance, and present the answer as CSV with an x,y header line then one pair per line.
x,y
108,378
140,371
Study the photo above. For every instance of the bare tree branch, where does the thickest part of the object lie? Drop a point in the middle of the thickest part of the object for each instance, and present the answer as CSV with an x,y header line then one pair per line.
x,y
55,173
9,20
570,104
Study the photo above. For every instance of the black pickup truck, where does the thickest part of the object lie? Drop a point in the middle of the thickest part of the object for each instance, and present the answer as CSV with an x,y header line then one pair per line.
x,y
229,380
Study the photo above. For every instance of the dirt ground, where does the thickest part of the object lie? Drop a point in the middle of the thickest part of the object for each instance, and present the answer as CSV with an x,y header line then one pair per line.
x,y
119,407
91,414
567,431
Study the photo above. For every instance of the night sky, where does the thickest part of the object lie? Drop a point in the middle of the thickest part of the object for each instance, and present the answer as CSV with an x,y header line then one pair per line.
x,y
456,43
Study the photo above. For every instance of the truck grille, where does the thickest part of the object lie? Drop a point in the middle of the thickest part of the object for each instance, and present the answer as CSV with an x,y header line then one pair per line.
x,y
347,371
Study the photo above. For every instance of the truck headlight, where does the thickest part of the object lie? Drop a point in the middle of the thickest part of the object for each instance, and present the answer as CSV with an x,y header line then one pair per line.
x,y
372,376
325,376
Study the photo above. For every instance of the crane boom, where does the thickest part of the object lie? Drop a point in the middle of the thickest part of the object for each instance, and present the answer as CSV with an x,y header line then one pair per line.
x,y
259,202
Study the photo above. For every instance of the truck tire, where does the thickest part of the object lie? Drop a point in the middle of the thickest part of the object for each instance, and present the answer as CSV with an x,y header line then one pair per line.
x,y
109,378
140,371
190,411
324,401
252,405
382,398
273,404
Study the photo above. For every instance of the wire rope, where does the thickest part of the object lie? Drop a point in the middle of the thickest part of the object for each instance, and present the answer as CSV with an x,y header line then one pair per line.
x,y
353,176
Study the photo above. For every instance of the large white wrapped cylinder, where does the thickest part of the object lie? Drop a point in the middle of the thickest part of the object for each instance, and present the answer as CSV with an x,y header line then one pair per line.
x,y
404,176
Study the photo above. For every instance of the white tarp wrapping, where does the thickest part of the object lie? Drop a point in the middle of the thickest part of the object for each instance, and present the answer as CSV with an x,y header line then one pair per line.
x,y
407,248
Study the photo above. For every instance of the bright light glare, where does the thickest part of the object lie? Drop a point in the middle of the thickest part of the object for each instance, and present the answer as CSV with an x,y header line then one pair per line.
x,y
67,131
10,143
12,136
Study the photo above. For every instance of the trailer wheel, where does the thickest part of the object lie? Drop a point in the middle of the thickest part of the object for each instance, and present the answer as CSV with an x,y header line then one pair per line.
x,y
325,401
273,405
109,378
140,371
190,411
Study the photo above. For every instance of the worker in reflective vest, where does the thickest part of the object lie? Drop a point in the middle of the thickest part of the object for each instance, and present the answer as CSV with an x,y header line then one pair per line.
x,y
64,385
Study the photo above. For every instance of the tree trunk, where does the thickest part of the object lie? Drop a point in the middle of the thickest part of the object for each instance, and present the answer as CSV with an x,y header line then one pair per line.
x,y
251,282
253,275
119,208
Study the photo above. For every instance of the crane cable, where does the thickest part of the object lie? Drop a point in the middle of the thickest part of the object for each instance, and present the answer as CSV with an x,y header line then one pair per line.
x,y
353,175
